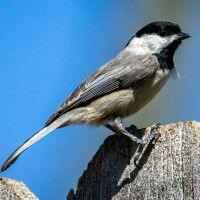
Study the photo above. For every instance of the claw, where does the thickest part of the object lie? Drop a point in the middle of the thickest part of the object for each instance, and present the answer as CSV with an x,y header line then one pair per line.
x,y
152,134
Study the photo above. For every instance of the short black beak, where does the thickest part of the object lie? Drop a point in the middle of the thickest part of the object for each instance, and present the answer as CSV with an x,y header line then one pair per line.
x,y
183,36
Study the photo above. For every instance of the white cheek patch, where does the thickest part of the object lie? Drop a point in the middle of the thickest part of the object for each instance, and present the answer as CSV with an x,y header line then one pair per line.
x,y
157,43
152,43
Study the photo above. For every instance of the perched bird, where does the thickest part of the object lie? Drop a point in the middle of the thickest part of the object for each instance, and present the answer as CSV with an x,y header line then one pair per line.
x,y
119,88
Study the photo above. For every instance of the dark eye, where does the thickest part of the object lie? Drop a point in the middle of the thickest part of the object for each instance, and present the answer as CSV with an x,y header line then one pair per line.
x,y
162,33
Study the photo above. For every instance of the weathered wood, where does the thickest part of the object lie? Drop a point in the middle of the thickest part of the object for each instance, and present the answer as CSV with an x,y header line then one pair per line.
x,y
14,190
170,168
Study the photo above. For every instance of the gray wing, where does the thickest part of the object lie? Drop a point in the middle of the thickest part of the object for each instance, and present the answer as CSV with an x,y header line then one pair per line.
x,y
121,72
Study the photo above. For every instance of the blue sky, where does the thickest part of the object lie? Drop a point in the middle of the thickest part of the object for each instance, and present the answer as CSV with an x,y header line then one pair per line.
x,y
47,48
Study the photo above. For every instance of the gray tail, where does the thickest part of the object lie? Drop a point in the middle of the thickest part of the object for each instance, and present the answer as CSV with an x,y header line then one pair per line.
x,y
36,137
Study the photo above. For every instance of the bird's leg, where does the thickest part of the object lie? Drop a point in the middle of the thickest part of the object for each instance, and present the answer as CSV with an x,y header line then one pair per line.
x,y
118,125
119,128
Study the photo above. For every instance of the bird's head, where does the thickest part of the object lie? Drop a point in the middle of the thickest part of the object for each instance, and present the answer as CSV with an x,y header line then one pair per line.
x,y
159,36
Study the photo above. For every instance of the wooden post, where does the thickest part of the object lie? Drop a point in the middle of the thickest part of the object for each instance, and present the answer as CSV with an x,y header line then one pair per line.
x,y
170,168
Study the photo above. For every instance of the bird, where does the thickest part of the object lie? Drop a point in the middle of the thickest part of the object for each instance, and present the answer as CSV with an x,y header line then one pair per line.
x,y
119,88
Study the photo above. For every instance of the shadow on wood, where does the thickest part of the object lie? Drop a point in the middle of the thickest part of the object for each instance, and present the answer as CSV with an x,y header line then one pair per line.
x,y
170,167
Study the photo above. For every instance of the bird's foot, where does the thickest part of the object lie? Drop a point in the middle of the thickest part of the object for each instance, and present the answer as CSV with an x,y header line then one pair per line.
x,y
118,128
152,134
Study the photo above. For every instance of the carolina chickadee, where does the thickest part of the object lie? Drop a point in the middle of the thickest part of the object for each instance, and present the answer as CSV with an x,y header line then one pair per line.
x,y
119,88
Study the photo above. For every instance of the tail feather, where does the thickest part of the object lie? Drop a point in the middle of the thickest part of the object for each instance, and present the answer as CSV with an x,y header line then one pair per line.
x,y
36,137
